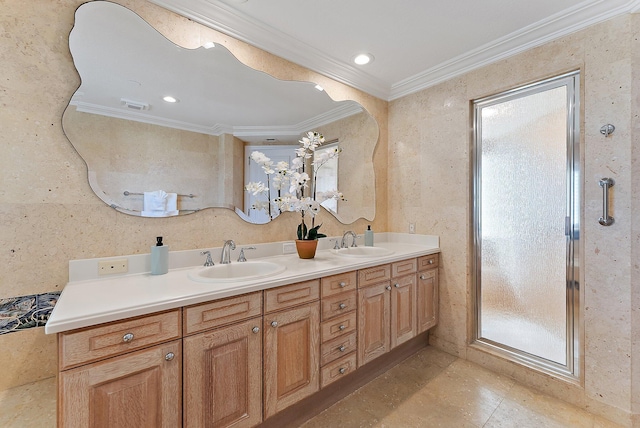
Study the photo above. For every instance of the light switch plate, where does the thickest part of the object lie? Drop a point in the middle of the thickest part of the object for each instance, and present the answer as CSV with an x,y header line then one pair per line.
x,y
110,267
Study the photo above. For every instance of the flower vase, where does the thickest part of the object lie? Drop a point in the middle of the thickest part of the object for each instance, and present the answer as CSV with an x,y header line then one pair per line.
x,y
306,248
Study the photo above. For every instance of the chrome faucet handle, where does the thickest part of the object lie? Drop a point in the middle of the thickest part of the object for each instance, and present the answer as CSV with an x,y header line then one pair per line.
x,y
354,243
241,257
209,261
336,245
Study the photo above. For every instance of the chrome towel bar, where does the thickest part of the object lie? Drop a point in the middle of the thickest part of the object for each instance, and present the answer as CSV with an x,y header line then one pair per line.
x,y
606,219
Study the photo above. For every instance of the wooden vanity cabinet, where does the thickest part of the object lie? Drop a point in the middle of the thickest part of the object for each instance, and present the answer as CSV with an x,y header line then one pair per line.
x,y
122,374
237,361
222,383
403,301
427,292
374,321
291,345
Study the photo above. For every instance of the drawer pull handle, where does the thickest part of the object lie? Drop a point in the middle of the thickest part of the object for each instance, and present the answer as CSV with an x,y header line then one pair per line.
x,y
342,284
396,285
127,337
342,306
342,348
342,370
388,287
274,323
430,261
423,277
342,327
255,329
169,356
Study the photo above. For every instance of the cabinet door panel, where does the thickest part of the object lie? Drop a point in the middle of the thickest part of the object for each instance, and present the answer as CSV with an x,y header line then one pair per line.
x,y
223,376
427,299
403,309
137,390
291,356
374,322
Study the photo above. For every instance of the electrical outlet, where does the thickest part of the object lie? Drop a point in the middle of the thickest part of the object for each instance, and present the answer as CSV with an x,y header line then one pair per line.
x,y
412,228
288,248
109,267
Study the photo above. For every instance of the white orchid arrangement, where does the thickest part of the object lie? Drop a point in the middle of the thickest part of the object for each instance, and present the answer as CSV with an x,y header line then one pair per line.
x,y
291,183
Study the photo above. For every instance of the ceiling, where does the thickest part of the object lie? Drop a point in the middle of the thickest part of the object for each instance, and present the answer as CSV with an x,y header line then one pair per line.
x,y
415,43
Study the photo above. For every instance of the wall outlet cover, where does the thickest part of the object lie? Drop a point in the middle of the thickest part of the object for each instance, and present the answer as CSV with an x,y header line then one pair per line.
x,y
289,248
110,267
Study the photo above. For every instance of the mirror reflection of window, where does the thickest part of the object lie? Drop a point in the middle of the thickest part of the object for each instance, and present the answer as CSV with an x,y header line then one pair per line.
x,y
327,178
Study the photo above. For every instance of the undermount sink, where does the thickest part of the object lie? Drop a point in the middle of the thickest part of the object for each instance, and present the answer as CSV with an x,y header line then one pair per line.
x,y
363,252
239,271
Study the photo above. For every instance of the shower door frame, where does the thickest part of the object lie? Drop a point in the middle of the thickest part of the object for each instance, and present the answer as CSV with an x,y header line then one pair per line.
x,y
574,334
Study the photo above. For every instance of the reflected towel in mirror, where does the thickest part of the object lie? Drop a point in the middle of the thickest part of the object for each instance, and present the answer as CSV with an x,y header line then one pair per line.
x,y
159,204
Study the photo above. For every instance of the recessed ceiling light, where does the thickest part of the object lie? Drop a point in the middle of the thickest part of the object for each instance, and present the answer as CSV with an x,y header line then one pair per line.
x,y
320,88
362,59
209,45
170,99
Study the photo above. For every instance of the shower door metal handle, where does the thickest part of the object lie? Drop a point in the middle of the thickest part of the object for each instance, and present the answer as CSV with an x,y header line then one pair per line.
x,y
606,219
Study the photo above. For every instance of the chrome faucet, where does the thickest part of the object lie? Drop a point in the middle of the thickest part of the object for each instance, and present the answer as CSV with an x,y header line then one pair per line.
x,y
225,256
208,262
344,239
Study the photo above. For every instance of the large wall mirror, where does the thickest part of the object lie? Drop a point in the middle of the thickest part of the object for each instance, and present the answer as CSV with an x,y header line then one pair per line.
x,y
134,141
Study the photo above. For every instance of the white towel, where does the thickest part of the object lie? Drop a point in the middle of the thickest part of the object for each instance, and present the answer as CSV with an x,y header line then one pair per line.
x,y
159,204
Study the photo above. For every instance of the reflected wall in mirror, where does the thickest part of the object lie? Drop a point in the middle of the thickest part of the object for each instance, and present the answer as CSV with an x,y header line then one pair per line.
x,y
134,141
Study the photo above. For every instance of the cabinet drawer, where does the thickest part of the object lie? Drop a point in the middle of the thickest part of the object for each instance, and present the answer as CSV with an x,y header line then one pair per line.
x,y
291,295
373,275
338,283
337,370
338,327
338,305
428,262
221,312
404,267
337,348
95,343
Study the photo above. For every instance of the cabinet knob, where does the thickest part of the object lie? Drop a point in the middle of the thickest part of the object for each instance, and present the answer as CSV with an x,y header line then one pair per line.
x,y
274,323
169,356
342,306
423,277
342,348
255,329
127,337
342,284
388,287
342,327
342,370
396,285
430,261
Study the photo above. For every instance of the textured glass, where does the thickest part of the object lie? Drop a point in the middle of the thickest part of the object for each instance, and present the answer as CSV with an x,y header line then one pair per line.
x,y
523,205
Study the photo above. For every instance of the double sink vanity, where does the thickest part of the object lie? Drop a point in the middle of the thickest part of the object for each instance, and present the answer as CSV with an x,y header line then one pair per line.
x,y
269,341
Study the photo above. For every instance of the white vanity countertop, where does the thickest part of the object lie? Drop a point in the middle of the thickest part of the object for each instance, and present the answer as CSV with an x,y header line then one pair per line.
x,y
89,302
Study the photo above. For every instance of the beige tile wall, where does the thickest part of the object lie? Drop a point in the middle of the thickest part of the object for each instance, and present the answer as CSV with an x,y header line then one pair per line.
x,y
50,213
430,133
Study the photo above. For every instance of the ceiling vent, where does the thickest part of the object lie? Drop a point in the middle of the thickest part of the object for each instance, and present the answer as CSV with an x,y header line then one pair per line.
x,y
134,105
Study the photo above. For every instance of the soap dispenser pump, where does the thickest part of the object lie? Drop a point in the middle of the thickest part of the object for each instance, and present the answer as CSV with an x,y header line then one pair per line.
x,y
159,258
368,237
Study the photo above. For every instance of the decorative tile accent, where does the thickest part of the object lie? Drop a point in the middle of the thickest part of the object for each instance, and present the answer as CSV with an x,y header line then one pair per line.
x,y
19,313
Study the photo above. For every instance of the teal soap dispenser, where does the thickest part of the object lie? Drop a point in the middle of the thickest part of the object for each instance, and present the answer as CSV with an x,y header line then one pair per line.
x,y
159,258
368,237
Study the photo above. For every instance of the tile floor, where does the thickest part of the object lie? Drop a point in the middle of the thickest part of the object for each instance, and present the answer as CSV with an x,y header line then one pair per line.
x,y
430,389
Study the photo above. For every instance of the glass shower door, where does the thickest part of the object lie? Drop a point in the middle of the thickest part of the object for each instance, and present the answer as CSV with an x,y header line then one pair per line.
x,y
526,222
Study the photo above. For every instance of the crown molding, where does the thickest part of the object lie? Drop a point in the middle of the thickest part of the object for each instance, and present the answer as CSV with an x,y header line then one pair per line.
x,y
221,17
556,26
344,110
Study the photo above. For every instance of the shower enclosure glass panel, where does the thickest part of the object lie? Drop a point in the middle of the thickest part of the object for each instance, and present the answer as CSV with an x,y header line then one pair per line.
x,y
524,221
